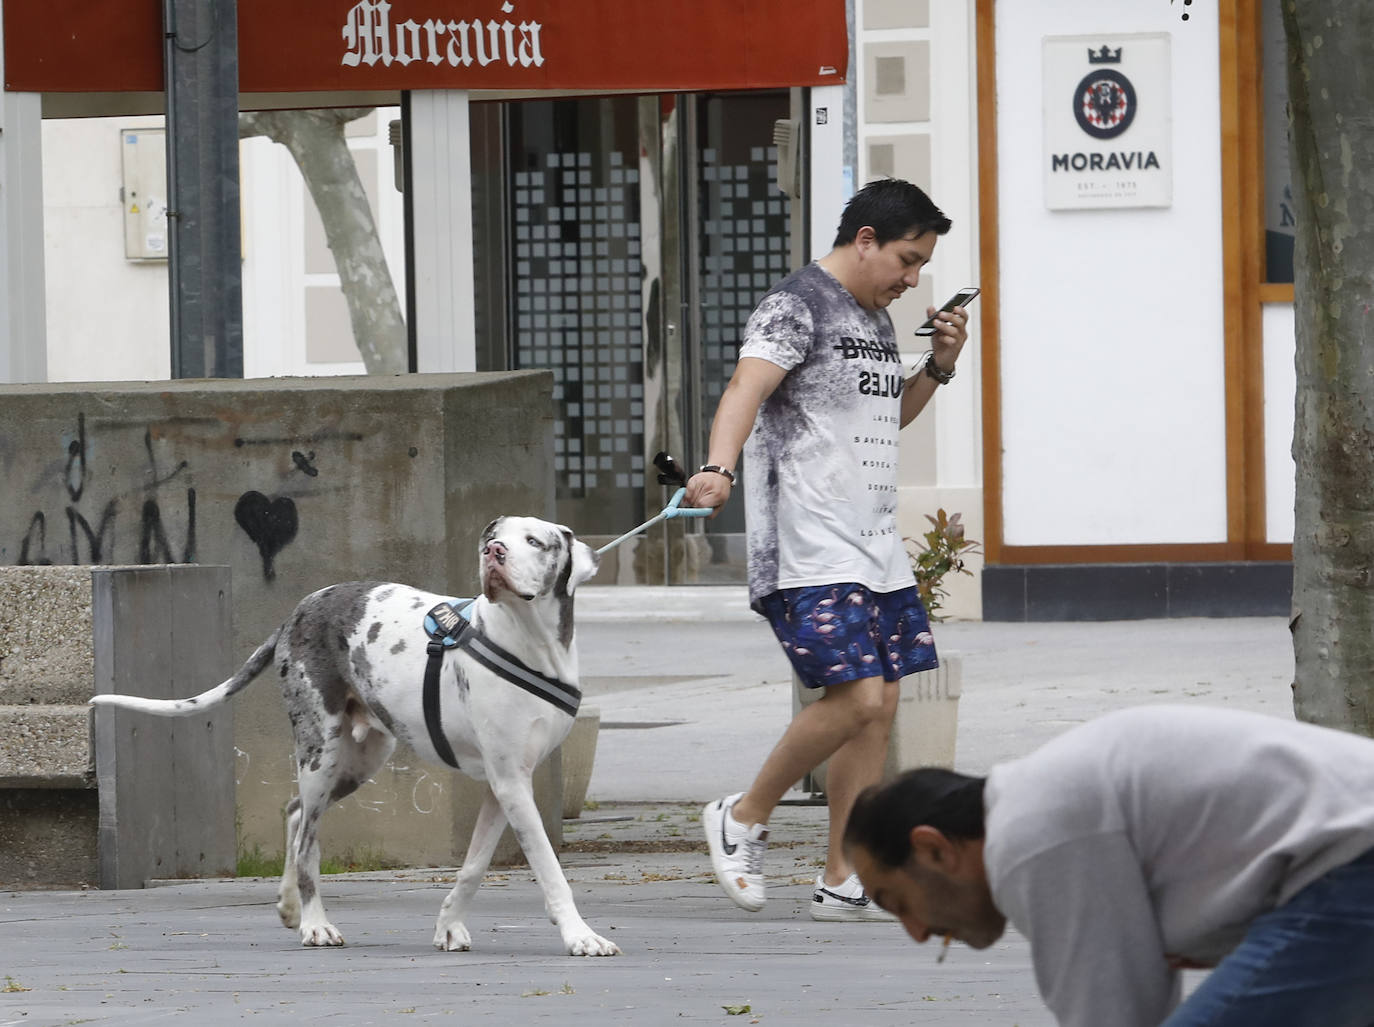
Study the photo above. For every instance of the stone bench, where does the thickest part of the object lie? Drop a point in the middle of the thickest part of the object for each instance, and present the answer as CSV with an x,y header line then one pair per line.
x,y
115,800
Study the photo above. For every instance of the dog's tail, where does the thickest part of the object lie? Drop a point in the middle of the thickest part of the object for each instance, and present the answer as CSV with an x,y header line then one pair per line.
x,y
221,693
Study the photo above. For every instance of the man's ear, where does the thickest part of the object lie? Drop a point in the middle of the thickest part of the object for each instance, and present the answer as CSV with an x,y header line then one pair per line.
x,y
866,239
931,850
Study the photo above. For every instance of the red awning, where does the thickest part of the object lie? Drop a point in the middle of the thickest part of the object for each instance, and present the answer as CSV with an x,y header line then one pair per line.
x,y
97,46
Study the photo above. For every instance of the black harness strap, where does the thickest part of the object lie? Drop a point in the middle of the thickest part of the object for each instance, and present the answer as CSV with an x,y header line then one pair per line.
x,y
431,703
449,629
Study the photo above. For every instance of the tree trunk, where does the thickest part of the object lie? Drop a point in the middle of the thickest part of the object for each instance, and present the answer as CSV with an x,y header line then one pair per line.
x,y
1331,97
315,138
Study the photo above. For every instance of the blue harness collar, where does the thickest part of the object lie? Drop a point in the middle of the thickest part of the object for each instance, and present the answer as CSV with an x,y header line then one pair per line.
x,y
450,627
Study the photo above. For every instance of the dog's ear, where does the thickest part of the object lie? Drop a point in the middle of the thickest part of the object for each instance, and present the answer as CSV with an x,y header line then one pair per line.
x,y
582,560
489,532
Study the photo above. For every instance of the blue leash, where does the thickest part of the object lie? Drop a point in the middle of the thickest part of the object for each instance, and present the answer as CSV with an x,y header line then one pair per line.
x,y
669,512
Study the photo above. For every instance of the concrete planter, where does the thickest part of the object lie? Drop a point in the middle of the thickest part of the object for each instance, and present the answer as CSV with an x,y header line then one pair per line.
x,y
926,725
579,751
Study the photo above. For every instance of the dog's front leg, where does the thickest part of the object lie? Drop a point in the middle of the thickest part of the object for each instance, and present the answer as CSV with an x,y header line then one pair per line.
x,y
450,933
517,799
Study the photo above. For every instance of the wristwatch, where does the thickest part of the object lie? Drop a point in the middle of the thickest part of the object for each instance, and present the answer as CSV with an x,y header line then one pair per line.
x,y
717,469
943,377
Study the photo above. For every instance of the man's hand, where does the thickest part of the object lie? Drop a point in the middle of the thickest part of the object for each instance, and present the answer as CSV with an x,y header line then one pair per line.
x,y
951,332
707,489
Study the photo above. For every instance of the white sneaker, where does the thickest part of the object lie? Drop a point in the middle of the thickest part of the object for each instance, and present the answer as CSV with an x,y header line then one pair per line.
x,y
843,903
736,853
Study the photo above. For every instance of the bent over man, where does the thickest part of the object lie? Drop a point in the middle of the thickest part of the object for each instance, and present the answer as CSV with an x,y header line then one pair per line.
x,y
1145,842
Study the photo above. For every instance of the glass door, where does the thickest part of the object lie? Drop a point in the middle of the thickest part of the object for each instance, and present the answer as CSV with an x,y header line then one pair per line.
x,y
575,300
626,240
742,241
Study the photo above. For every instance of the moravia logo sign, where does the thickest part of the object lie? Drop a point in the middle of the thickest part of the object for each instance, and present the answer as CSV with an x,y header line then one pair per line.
x,y
1107,122
1104,102
370,37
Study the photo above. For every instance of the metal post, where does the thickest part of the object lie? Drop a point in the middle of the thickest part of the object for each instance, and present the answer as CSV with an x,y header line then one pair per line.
x,y
204,272
23,338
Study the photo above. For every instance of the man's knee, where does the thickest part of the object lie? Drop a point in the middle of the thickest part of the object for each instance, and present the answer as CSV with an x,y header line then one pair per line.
x,y
866,702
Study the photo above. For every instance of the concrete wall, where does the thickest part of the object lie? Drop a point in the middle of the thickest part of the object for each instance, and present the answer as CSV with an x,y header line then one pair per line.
x,y
294,484
164,806
166,784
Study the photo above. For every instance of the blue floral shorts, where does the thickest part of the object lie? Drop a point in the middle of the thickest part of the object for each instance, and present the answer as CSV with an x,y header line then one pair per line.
x,y
836,633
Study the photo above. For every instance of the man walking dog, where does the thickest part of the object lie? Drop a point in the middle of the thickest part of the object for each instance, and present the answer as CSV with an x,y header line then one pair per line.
x,y
1148,841
820,395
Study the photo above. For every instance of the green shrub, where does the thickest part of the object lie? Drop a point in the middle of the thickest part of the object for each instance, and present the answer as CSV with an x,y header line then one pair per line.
x,y
941,552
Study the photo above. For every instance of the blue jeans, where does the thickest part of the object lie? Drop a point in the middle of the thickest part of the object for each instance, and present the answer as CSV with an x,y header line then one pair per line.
x,y
1311,961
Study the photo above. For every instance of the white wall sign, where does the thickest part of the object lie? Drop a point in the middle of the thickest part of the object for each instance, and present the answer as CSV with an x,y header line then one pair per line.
x,y
1108,121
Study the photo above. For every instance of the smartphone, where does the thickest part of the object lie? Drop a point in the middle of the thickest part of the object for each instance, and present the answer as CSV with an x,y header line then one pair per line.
x,y
962,298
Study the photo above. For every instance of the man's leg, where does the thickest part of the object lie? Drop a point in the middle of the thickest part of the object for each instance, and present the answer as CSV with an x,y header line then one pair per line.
x,y
854,766
1311,961
850,712
736,827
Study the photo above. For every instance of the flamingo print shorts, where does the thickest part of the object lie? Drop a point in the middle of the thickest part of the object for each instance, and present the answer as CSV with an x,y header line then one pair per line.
x,y
837,633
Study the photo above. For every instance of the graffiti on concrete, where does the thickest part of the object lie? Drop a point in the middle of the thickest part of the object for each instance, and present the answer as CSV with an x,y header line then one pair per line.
x,y
270,523
303,462
38,531
96,544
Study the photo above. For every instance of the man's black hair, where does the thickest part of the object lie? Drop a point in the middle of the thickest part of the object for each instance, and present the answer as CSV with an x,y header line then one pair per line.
x,y
894,209
884,814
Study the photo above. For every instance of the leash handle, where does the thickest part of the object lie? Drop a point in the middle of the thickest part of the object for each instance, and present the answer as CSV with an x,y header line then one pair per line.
x,y
674,510
669,512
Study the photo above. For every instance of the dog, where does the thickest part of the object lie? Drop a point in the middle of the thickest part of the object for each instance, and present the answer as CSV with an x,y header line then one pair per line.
x,y
351,659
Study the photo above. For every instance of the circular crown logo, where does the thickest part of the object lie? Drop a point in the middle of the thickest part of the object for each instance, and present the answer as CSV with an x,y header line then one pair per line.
x,y
1104,103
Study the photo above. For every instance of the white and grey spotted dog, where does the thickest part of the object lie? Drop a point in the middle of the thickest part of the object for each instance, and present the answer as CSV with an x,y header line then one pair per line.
x,y
352,657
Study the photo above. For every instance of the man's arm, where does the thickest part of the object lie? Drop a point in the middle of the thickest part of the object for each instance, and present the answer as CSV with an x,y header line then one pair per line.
x,y
951,332
1095,942
753,381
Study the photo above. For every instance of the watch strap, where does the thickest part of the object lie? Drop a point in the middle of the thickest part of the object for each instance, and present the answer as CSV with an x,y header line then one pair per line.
x,y
930,367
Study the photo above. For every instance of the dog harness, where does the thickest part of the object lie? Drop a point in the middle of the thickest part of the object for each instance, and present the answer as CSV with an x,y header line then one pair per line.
x,y
449,626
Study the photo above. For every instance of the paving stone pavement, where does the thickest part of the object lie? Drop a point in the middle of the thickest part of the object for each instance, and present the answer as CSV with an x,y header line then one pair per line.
x,y
692,693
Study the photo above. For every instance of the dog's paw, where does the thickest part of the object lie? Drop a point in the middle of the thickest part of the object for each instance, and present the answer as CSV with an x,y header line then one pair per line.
x,y
454,938
592,945
290,913
321,935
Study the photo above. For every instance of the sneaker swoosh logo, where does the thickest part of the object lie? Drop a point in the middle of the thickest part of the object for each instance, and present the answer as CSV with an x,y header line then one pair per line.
x,y
725,845
861,901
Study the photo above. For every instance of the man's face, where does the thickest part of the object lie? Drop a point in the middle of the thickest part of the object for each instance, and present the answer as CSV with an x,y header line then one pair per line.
x,y
931,903
889,270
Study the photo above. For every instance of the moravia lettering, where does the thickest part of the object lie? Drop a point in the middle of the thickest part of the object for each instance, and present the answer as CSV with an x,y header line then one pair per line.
x,y
369,39
1120,161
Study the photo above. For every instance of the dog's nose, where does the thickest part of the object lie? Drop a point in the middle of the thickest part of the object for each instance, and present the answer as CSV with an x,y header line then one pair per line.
x,y
495,550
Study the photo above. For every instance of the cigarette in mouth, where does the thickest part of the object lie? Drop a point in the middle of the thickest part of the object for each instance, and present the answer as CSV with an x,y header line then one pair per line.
x,y
944,948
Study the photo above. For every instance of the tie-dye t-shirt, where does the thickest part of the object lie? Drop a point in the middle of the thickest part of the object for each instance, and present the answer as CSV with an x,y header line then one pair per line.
x,y
820,467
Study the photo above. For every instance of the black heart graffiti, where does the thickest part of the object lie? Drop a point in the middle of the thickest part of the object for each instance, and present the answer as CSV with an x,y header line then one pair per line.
x,y
271,523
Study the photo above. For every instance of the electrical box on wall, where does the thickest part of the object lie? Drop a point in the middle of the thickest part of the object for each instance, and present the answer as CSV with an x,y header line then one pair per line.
x,y
144,194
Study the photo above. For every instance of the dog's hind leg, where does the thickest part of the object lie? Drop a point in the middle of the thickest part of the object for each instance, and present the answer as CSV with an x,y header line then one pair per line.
x,y
340,769
289,893
517,800
450,933
314,926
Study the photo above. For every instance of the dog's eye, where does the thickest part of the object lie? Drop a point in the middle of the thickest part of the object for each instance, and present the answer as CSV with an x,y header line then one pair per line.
x,y
535,542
